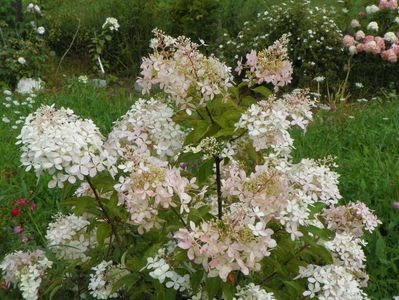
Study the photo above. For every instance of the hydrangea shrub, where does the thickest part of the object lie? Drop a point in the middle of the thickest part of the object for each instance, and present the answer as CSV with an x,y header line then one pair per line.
x,y
375,31
193,195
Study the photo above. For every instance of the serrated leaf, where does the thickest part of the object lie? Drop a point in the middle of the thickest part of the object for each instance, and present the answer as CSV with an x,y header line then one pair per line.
x,y
294,289
200,129
103,231
264,91
212,286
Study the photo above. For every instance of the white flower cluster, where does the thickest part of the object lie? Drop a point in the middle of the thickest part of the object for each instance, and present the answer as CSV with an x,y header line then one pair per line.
x,y
317,180
330,282
252,292
236,242
68,238
148,128
187,76
106,274
112,24
353,218
61,144
282,190
372,9
347,251
164,273
25,270
268,121
33,9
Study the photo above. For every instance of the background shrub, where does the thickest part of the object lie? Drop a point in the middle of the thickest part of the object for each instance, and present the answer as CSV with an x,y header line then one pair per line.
x,y
315,41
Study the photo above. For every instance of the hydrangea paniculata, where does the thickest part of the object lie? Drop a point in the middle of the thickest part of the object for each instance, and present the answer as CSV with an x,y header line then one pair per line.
x,y
149,128
25,270
269,66
181,71
103,278
57,142
68,237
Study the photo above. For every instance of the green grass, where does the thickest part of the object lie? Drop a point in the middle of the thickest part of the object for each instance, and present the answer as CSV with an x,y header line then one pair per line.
x,y
366,147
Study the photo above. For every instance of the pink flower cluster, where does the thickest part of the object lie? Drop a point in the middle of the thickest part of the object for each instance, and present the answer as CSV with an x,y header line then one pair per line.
x,y
269,66
388,4
151,185
352,218
386,45
374,45
181,71
227,245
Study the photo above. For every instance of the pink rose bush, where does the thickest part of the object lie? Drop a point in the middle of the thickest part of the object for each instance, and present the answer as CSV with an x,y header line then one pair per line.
x,y
194,193
375,31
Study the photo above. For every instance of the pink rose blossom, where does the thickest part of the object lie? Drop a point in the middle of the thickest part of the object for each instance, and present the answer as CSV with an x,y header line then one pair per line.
x,y
360,47
380,42
368,38
348,40
360,35
388,4
370,47
392,57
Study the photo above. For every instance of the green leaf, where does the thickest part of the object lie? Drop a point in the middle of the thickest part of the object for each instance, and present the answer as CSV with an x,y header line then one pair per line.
x,y
196,279
212,286
200,129
319,253
103,231
228,291
248,101
82,204
323,233
126,281
205,170
264,91
316,208
225,113
380,250
294,289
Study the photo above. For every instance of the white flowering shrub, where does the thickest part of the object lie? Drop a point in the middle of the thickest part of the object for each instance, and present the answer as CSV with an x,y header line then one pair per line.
x,y
23,53
194,195
315,39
